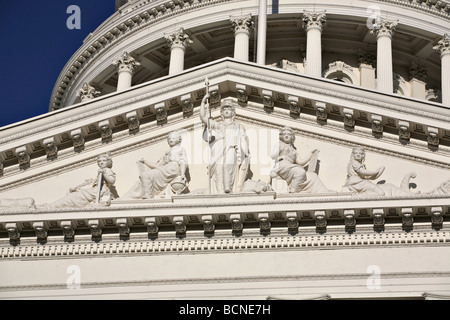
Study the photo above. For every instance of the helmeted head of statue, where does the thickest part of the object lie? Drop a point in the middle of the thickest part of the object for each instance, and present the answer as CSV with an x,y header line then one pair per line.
x,y
227,109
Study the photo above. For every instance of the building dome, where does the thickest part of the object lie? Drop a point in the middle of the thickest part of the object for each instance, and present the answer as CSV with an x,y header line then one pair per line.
x,y
349,35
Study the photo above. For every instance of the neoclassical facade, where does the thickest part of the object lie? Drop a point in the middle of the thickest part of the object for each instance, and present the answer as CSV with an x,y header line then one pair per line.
x,y
223,149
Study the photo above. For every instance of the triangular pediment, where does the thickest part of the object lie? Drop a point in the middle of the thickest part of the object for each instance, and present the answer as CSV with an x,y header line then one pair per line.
x,y
331,117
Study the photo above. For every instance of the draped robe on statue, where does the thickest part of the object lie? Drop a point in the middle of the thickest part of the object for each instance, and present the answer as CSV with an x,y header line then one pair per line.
x,y
229,162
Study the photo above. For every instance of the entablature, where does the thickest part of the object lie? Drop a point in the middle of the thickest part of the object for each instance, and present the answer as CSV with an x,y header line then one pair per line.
x,y
186,213
140,15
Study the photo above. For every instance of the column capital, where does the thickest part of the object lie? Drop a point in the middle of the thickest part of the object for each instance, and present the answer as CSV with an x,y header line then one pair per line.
x,y
87,92
126,63
242,23
443,46
314,20
384,27
179,39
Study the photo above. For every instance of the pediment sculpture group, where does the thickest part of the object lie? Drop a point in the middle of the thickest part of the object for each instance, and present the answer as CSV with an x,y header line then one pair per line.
x,y
228,170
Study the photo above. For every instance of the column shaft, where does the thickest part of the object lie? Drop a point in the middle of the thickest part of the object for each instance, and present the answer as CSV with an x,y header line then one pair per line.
x,y
241,46
262,32
176,60
314,52
385,80
124,81
445,81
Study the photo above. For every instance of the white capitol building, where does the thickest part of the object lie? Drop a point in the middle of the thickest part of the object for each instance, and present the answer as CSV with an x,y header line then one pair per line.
x,y
326,175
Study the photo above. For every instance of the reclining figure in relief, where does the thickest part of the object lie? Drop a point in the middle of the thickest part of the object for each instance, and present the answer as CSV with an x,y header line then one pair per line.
x,y
290,167
92,191
169,171
358,183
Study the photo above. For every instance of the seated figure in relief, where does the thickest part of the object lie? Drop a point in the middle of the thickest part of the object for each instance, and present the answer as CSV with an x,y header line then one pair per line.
x,y
358,176
92,190
170,170
290,167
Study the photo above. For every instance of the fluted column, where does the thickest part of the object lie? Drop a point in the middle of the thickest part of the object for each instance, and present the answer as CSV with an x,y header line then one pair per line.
x,y
443,48
126,65
262,32
178,43
384,31
313,23
242,26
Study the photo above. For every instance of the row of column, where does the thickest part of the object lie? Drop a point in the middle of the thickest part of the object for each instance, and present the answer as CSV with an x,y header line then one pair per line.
x,y
313,23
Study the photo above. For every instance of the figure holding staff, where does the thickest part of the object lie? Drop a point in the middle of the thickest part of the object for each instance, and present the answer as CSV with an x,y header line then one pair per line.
x,y
229,151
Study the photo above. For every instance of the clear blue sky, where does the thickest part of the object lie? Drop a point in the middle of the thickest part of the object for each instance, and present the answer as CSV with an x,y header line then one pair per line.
x,y
36,44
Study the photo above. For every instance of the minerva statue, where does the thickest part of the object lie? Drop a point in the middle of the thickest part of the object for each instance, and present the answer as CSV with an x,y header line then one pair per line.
x,y
169,171
289,166
229,151
92,191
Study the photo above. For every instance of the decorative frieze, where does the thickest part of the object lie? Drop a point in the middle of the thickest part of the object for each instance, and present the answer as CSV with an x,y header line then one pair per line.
x,y
77,140
208,224
377,126
349,220
41,232
50,148
133,122
294,106
68,231
161,113
96,231
242,94
437,218
23,157
236,223
404,134
105,131
187,105
264,223
180,226
214,96
124,230
378,219
321,221
349,120
13,232
152,227
292,222
321,112
433,138
268,100
407,218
